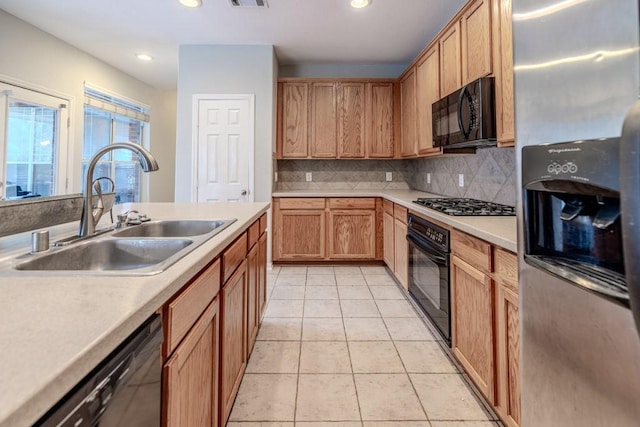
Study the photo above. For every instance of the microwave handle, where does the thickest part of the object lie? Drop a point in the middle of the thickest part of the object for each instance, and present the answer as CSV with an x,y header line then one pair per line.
x,y
630,205
464,92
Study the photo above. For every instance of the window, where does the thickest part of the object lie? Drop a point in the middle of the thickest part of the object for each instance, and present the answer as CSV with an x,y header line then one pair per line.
x,y
33,143
108,120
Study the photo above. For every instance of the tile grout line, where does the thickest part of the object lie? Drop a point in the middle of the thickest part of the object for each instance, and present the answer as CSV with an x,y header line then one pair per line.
x,y
295,402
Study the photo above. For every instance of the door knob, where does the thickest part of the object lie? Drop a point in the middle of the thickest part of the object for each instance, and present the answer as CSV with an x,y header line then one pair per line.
x,y
243,193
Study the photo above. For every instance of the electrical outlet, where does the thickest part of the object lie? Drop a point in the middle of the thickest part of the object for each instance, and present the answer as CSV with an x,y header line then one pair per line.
x,y
308,176
428,177
275,176
461,180
389,176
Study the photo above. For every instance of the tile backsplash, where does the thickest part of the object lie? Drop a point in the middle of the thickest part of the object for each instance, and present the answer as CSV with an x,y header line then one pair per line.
x,y
340,175
489,175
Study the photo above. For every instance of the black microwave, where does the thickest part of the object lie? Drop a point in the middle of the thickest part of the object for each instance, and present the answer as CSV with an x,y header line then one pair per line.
x,y
467,117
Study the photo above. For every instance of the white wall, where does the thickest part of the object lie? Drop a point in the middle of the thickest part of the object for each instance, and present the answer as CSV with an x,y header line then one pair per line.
x,y
329,70
36,57
218,69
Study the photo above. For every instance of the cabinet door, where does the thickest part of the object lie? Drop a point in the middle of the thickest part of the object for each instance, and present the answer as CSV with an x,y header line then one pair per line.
x,y
352,234
389,241
472,321
408,114
427,92
379,124
295,104
450,60
401,253
252,297
508,331
300,234
324,120
476,41
503,72
232,333
262,275
191,375
351,122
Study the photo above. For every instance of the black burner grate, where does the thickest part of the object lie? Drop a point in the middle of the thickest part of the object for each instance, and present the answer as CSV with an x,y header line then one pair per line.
x,y
467,207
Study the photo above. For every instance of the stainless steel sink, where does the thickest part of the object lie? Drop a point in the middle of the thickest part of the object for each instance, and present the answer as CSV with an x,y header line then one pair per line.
x,y
174,228
112,255
146,249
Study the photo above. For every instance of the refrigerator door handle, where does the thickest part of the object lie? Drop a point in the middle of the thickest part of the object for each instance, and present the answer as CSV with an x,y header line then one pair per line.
x,y
630,205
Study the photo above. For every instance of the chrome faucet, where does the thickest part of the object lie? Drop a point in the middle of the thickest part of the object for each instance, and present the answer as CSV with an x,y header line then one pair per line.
x,y
89,220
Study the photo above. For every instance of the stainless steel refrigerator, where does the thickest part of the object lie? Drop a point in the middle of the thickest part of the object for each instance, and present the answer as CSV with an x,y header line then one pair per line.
x,y
577,75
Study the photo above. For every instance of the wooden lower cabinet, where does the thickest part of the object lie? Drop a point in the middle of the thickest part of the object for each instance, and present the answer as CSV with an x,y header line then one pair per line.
x,y
262,275
472,300
300,235
401,250
190,390
253,319
508,356
389,240
331,229
232,344
352,234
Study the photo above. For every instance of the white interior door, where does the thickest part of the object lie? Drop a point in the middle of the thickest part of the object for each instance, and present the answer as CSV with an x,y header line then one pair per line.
x,y
224,148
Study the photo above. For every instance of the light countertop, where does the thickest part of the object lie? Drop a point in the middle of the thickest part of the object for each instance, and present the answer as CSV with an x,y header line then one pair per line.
x,y
498,230
56,326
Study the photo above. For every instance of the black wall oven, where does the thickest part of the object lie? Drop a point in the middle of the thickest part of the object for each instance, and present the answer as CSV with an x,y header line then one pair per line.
x,y
429,254
467,117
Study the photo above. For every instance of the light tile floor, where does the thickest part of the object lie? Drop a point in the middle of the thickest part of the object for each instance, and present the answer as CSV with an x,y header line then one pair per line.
x,y
343,347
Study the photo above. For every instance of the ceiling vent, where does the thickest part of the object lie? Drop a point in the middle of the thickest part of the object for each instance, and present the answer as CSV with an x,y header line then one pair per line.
x,y
249,3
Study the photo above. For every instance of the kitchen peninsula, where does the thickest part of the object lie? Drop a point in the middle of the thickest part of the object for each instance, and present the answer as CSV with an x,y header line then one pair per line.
x,y
56,326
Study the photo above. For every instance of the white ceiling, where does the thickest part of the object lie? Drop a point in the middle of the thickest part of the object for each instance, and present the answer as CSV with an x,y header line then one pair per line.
x,y
302,31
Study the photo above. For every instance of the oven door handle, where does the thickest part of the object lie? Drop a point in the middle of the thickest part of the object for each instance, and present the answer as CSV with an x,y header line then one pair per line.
x,y
432,254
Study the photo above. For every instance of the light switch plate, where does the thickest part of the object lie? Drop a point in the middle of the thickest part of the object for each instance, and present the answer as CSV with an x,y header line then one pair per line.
x,y
308,176
389,176
461,180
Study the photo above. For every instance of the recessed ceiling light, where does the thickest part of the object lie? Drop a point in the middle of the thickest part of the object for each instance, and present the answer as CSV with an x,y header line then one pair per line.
x,y
191,3
144,57
360,3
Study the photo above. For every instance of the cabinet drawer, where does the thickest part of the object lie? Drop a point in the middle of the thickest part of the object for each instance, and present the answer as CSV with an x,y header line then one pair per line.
x,y
263,223
387,206
182,312
400,213
253,234
352,203
506,267
471,249
302,203
233,256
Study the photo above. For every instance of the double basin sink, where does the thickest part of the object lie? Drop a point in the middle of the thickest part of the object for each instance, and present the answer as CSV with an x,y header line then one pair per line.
x,y
145,249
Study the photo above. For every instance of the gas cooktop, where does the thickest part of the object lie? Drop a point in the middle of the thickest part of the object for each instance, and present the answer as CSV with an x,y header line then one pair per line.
x,y
467,207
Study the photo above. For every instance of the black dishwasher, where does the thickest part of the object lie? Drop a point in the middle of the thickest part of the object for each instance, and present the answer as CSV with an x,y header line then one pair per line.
x,y
125,389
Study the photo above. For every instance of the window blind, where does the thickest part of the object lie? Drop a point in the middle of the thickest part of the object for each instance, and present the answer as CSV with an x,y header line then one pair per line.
x,y
112,104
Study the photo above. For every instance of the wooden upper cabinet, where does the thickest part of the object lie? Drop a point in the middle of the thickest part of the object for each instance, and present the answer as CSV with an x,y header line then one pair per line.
x,y
427,92
379,130
408,114
324,120
351,127
294,120
450,60
476,41
503,72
